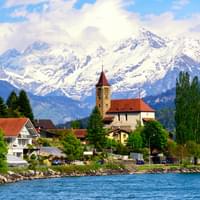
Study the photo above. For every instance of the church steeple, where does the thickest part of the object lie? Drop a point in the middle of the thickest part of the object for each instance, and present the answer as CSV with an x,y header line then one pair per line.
x,y
103,94
102,80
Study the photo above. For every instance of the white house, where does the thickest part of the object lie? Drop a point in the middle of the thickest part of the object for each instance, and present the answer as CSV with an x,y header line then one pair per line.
x,y
18,133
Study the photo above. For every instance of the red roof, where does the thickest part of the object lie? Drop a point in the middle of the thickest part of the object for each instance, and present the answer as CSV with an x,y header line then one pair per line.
x,y
129,105
102,80
80,133
12,126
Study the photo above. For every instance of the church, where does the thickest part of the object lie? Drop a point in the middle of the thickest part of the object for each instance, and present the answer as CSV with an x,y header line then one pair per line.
x,y
120,116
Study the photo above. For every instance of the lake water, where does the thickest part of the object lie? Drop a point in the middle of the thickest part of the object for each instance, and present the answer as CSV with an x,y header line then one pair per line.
x,y
144,186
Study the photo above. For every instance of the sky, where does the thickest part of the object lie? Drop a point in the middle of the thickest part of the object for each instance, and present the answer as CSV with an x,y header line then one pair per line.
x,y
91,23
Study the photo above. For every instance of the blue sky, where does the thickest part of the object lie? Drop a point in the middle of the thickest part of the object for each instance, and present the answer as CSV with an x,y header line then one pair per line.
x,y
93,21
184,8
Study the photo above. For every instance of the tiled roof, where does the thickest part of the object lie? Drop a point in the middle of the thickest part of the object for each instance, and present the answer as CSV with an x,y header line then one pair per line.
x,y
12,126
80,133
44,124
129,105
102,80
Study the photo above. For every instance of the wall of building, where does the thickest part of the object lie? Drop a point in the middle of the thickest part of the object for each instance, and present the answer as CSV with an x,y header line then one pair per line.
x,y
17,144
130,120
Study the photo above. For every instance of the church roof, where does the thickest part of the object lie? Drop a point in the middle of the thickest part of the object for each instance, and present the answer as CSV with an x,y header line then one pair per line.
x,y
102,80
129,105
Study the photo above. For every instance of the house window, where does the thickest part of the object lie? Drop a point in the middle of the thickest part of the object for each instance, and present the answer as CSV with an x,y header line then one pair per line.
x,y
126,116
118,117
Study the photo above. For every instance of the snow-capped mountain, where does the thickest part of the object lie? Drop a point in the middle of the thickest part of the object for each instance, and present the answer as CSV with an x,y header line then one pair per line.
x,y
146,63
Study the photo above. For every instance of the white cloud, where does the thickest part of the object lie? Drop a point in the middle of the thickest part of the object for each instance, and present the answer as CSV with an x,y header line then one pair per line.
x,y
11,3
95,24
179,4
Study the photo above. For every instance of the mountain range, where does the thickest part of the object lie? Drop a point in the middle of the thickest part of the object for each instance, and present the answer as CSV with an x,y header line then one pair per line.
x,y
61,78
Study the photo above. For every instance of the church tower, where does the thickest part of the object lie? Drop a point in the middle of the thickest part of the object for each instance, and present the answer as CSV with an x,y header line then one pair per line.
x,y
103,94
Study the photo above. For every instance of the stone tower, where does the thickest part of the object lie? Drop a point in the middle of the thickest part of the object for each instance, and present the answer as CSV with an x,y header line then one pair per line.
x,y
103,94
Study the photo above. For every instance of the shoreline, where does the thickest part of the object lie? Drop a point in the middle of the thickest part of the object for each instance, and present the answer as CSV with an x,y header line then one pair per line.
x,y
13,177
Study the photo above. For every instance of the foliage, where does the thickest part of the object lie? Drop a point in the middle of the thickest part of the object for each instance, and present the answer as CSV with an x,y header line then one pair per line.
x,y
171,148
33,162
187,104
110,144
24,105
72,147
122,149
75,124
96,132
3,108
3,153
154,135
56,142
12,101
135,142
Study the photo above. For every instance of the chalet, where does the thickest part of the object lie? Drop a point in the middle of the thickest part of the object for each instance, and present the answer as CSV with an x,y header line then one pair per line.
x,y
18,133
120,116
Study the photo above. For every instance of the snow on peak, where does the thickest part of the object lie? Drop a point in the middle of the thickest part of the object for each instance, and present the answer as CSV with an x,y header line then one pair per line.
x,y
145,62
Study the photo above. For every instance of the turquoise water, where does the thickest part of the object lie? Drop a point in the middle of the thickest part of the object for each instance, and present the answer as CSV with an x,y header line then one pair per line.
x,y
146,186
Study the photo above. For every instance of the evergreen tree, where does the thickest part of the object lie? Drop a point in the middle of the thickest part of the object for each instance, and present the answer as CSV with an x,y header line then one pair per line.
x,y
12,101
72,147
24,105
3,108
3,153
96,132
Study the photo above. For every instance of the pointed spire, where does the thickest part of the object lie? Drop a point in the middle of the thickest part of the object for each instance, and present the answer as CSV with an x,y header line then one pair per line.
x,y
102,80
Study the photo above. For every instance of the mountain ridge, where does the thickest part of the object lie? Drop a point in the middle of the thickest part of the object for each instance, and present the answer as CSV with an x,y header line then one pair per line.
x,y
145,63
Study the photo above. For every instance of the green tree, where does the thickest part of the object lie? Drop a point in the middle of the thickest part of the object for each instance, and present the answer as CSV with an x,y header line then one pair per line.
x,y
72,147
3,153
187,115
154,135
135,141
111,144
96,132
12,101
3,108
75,124
193,150
181,103
24,105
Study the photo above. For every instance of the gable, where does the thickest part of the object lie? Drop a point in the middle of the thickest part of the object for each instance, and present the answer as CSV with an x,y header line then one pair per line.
x,y
12,126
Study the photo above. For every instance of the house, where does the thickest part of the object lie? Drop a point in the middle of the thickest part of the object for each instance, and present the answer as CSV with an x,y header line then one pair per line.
x,y
19,133
120,116
45,127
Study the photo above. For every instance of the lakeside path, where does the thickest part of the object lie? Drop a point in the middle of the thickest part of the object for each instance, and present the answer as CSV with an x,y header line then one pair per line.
x,y
20,174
